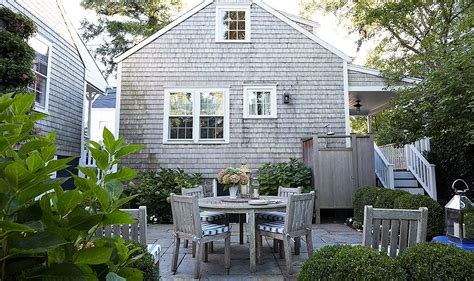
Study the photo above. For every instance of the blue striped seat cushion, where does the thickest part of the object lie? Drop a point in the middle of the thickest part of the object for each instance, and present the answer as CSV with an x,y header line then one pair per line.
x,y
211,216
272,216
213,229
275,227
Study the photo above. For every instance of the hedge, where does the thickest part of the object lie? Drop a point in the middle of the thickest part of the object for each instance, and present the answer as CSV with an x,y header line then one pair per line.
x,y
365,196
437,261
386,200
340,262
435,211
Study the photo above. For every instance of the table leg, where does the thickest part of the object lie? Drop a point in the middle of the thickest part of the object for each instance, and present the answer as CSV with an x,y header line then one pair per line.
x,y
241,228
252,246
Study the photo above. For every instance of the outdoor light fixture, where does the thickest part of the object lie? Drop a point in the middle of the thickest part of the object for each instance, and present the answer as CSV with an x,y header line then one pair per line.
x,y
460,216
358,106
328,130
286,98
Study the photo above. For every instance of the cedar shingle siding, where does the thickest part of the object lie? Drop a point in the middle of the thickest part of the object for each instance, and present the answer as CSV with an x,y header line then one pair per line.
x,y
357,78
188,56
67,75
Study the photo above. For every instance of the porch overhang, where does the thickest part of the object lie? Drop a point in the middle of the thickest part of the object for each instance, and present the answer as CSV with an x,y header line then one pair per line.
x,y
372,100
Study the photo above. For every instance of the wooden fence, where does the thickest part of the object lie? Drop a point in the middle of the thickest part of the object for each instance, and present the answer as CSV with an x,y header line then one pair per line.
x,y
339,165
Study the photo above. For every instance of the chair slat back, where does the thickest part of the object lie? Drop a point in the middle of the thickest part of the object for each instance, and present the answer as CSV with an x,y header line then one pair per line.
x,y
287,191
196,191
186,218
393,230
299,212
134,231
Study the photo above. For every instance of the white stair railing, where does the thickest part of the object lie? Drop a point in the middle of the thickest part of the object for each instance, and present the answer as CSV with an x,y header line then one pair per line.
x,y
383,169
423,171
395,155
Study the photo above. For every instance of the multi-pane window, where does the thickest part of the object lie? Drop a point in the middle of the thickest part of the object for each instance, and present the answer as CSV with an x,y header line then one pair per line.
x,y
40,69
196,115
233,24
260,102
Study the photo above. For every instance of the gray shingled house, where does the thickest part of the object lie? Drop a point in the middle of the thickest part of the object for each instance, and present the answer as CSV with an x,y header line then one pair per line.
x,y
65,71
234,79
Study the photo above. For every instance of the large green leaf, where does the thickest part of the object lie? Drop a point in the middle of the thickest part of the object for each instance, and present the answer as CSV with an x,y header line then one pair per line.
x,y
94,255
124,174
9,226
90,172
33,145
109,141
37,243
68,201
118,217
63,271
112,276
126,150
131,273
34,162
102,196
114,188
101,157
56,165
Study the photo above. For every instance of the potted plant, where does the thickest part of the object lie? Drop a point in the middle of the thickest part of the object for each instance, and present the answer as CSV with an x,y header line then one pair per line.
x,y
232,178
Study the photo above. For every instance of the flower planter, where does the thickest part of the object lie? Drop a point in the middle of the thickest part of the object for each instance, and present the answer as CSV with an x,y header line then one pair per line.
x,y
233,191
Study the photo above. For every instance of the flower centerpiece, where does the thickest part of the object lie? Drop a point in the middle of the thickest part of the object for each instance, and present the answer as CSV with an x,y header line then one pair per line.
x,y
232,178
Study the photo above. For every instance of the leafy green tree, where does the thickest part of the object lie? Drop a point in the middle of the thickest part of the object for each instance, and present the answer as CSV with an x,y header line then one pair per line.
x,y
46,232
16,56
122,24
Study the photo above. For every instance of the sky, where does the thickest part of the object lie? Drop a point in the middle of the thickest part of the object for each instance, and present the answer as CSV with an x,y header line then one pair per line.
x,y
330,29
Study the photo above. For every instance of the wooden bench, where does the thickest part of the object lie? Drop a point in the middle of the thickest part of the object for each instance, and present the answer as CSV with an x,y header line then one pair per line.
x,y
135,232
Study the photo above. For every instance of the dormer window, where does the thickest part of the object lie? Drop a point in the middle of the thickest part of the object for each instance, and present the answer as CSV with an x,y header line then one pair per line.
x,y
233,24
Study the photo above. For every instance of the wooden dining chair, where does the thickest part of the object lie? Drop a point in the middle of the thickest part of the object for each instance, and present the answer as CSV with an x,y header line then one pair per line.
x,y
188,225
299,213
393,230
210,217
280,216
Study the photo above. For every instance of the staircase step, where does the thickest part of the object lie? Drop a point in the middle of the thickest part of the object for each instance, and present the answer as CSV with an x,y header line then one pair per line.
x,y
417,190
403,175
406,183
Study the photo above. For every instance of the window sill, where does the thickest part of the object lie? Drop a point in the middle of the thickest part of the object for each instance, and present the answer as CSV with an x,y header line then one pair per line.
x,y
260,117
195,142
233,41
40,109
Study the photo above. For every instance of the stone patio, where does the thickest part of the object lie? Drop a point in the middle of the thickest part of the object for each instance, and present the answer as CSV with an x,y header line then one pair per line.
x,y
273,267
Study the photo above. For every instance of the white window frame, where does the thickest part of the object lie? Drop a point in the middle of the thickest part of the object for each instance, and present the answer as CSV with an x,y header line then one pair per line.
x,y
196,116
248,25
273,101
38,107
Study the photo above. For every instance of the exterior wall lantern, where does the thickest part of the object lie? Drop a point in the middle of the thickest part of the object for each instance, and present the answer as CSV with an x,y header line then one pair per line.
x,y
286,98
460,216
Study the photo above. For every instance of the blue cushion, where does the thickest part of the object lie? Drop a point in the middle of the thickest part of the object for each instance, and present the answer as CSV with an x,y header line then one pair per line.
x,y
213,229
211,216
272,216
275,227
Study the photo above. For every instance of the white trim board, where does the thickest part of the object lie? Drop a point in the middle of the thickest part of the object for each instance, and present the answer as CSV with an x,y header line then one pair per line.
x,y
259,3
162,31
375,72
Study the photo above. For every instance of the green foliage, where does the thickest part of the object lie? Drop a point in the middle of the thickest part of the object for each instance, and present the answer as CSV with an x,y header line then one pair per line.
x,y
16,56
47,232
437,261
153,189
122,24
435,211
145,263
365,196
340,262
359,125
293,173
387,198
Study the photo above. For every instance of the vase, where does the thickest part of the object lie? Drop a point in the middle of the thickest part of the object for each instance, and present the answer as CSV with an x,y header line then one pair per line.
x,y
233,191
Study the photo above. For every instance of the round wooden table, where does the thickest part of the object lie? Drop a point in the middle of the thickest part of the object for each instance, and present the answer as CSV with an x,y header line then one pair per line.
x,y
216,204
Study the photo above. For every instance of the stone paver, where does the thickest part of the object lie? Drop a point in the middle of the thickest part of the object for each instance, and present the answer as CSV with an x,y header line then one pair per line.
x,y
273,268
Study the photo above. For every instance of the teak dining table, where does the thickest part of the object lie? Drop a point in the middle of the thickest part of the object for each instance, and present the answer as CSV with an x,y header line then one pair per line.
x,y
224,204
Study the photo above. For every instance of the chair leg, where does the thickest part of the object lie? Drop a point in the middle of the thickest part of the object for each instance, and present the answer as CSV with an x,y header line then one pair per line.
x,y
309,243
174,262
297,245
241,228
275,246
194,249
197,266
280,248
288,258
186,243
227,252
206,252
259,241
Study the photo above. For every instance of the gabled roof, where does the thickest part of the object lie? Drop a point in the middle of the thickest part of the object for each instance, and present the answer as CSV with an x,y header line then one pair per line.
x,y
206,3
106,101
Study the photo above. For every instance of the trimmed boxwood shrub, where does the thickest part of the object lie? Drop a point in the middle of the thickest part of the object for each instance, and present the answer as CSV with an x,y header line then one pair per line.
x,y
365,196
386,200
435,211
437,261
342,262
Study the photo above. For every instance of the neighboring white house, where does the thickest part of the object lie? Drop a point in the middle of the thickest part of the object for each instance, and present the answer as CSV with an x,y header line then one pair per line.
x,y
103,114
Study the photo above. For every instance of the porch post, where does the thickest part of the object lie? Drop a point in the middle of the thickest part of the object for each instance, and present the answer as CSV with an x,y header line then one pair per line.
x,y
369,124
